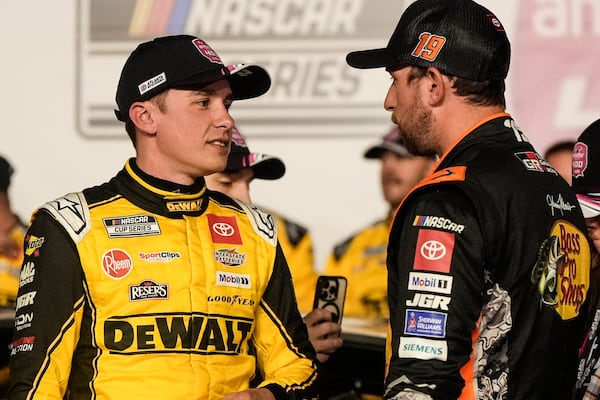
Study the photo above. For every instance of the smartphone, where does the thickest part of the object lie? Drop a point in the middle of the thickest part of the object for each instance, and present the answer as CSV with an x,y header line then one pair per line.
x,y
330,294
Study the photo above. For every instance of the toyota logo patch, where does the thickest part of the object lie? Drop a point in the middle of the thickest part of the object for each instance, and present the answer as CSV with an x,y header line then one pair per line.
x,y
224,229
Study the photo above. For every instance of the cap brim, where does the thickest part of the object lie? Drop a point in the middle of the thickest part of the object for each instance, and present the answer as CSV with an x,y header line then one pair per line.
x,y
248,81
590,205
266,167
377,151
374,58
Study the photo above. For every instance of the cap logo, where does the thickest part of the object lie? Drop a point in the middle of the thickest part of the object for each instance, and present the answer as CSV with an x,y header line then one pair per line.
x,y
207,51
429,46
496,22
152,83
580,159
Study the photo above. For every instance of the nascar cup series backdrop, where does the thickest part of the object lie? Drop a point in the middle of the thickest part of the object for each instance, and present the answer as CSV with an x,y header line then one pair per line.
x,y
61,61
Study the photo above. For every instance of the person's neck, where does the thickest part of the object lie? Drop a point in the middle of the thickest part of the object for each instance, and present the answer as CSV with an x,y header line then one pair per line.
x,y
455,122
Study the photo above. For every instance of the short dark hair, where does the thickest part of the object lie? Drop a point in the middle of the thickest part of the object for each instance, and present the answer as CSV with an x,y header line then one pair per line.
x,y
481,93
130,128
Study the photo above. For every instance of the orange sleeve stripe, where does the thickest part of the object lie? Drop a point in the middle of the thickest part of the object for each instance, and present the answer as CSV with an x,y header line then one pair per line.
x,y
468,370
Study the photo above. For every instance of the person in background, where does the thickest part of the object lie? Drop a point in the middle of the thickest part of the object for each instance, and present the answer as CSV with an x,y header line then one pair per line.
x,y
488,262
243,166
559,155
12,235
586,185
150,285
361,257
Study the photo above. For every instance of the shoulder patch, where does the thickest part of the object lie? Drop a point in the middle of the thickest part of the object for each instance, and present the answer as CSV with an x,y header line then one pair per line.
x,y
262,222
72,212
341,248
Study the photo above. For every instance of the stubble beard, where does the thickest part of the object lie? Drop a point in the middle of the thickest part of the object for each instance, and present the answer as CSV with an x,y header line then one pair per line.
x,y
415,125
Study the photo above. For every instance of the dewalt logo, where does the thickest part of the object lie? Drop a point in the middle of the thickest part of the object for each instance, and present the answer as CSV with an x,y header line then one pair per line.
x,y
177,206
178,333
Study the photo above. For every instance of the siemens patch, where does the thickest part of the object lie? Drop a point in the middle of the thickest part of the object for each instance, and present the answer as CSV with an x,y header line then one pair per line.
x,y
133,225
423,349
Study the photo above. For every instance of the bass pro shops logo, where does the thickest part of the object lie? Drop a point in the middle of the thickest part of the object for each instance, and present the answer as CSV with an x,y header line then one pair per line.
x,y
561,272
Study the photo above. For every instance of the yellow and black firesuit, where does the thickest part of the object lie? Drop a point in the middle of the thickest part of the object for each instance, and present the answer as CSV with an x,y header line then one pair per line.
x,y
180,289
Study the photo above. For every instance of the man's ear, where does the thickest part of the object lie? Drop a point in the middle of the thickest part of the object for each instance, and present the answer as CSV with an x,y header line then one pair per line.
x,y
437,87
141,114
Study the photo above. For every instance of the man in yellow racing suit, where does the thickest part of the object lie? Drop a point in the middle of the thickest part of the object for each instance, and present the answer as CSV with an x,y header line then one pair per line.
x,y
151,285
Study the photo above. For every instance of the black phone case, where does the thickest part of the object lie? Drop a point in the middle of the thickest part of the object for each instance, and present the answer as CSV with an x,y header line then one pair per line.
x,y
330,294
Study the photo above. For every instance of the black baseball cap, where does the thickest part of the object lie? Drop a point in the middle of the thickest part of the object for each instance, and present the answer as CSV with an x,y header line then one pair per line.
x,y
586,170
182,61
264,166
459,37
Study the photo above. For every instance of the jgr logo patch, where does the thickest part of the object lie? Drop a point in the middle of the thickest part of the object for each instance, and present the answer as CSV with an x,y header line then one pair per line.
x,y
148,290
423,349
233,280
435,283
25,300
427,300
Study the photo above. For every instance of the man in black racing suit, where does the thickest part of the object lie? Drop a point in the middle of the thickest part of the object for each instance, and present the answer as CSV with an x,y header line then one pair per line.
x,y
488,262
151,285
